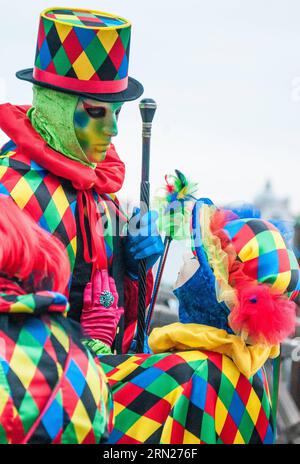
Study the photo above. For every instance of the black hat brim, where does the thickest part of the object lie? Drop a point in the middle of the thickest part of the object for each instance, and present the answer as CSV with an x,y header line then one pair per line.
x,y
133,91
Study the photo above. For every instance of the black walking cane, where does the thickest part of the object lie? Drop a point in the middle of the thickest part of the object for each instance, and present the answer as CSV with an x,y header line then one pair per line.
x,y
147,109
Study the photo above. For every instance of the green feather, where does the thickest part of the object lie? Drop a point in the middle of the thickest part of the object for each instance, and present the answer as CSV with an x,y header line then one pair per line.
x,y
174,205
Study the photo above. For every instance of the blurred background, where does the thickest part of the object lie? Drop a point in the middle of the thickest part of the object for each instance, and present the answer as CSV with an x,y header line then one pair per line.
x,y
226,78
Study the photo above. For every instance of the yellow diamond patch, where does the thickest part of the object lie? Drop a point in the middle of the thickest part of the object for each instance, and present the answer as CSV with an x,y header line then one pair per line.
x,y
21,193
143,428
63,31
108,38
83,67
81,422
221,415
253,406
282,281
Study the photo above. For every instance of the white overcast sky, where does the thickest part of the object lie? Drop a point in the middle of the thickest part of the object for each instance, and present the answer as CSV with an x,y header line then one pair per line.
x,y
226,78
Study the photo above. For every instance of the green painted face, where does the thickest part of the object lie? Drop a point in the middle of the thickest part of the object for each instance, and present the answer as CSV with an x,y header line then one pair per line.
x,y
95,124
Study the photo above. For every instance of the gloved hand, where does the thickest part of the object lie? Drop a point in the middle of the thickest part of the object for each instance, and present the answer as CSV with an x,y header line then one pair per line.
x,y
100,314
142,241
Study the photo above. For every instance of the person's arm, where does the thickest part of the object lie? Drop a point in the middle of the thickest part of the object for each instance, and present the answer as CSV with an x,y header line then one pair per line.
x,y
142,241
131,307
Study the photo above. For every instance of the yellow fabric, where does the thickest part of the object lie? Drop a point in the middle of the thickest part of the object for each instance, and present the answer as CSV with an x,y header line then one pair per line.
x,y
179,337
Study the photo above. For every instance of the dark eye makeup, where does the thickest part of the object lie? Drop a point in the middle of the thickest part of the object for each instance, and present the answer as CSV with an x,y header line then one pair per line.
x,y
98,112
95,112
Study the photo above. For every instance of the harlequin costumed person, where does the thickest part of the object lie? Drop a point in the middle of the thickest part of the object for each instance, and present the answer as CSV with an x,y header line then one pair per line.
x,y
61,167
205,382
52,390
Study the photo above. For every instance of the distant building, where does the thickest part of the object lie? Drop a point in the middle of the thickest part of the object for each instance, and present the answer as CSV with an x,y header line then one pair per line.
x,y
271,206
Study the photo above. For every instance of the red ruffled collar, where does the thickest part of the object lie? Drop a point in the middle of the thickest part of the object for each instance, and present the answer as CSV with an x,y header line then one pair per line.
x,y
108,177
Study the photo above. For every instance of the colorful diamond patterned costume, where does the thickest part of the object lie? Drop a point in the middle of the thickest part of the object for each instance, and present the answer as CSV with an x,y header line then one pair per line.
x,y
187,397
47,185
52,390
192,396
204,384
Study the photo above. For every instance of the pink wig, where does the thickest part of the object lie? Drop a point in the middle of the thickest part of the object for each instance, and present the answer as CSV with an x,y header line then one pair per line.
x,y
29,253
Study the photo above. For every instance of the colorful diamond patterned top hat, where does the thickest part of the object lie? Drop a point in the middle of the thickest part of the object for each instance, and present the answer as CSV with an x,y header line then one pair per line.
x,y
84,52
255,273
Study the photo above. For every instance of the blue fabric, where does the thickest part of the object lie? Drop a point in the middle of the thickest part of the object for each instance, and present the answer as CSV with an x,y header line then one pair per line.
x,y
9,146
198,303
232,228
196,237
197,297
245,210
287,230
142,242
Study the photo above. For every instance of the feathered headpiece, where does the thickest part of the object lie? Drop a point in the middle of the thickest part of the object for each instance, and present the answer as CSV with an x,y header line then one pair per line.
x,y
175,203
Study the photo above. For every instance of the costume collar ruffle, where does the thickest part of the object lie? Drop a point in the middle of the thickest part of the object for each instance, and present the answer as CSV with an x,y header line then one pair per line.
x,y
178,337
107,177
13,299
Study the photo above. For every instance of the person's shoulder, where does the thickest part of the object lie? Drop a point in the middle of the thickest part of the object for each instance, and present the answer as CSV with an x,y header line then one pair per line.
x,y
10,156
13,159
